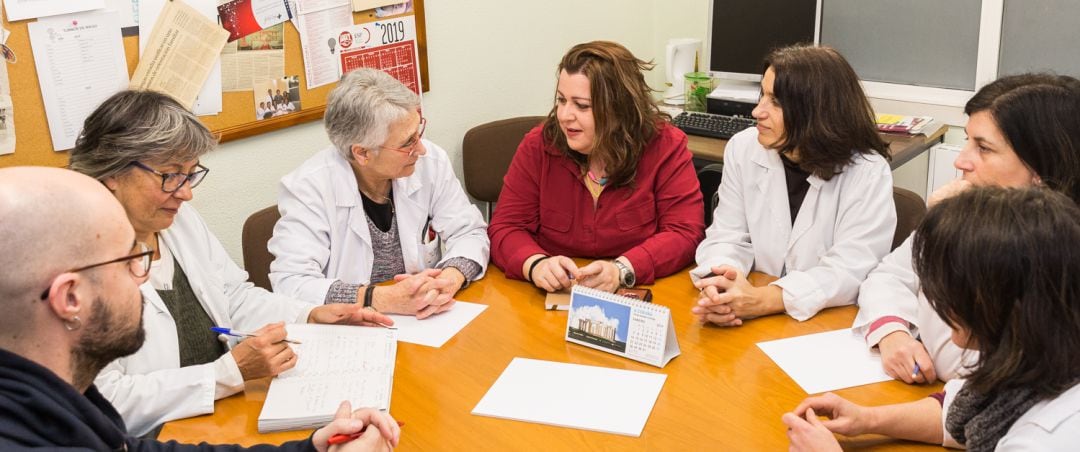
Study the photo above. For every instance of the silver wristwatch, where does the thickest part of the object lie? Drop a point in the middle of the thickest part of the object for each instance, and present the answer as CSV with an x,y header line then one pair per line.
x,y
626,275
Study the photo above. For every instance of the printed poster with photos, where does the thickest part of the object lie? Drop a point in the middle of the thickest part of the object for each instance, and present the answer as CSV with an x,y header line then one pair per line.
x,y
622,326
388,45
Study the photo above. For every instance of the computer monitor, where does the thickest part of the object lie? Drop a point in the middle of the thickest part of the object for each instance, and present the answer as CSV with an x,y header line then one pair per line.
x,y
743,32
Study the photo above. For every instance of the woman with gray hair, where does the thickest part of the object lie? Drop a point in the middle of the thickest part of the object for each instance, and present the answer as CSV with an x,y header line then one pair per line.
x,y
145,148
379,204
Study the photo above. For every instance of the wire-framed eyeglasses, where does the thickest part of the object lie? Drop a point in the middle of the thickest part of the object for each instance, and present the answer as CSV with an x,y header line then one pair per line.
x,y
138,264
410,146
171,182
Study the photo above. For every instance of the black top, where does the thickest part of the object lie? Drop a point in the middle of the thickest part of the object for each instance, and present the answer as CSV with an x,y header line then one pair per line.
x,y
797,185
40,411
380,214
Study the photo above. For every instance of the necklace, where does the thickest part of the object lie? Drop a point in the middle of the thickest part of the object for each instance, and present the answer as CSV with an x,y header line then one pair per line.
x,y
601,181
388,198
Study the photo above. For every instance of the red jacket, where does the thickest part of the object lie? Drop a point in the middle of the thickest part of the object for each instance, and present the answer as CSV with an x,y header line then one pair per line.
x,y
545,208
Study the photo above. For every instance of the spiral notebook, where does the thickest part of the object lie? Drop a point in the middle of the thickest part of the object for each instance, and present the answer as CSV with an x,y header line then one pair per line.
x,y
622,326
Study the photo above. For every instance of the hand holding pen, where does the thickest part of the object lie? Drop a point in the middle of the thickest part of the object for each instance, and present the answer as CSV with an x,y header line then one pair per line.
x,y
364,429
264,353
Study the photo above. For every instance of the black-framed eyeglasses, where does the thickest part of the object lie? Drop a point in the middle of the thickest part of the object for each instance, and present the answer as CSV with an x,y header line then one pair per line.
x,y
138,264
171,182
410,146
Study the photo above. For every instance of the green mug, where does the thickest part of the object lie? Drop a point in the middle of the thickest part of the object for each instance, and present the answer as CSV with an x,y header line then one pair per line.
x,y
698,86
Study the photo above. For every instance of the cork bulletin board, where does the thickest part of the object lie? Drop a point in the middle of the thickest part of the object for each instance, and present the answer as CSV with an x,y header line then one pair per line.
x,y
237,119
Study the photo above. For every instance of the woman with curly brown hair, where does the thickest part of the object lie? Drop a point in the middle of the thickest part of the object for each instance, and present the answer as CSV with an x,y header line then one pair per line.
x,y
605,176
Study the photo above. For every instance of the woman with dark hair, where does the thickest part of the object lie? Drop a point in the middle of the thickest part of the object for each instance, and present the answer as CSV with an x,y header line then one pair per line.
x,y
805,196
605,176
1023,130
1007,287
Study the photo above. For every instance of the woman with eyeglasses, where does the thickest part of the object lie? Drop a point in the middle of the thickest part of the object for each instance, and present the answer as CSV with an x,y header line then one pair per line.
x,y
379,204
145,148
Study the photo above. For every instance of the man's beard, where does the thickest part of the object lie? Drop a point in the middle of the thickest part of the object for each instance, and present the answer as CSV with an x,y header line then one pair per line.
x,y
103,342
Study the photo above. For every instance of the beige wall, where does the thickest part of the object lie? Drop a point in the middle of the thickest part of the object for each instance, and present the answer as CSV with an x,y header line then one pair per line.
x,y
487,60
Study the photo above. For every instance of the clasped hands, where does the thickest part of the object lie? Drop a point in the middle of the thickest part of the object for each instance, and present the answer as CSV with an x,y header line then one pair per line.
x,y
383,432
727,298
556,273
421,294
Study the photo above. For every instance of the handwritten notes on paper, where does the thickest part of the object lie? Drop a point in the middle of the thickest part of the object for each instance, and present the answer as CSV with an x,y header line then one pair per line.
x,y
334,363
183,49
80,62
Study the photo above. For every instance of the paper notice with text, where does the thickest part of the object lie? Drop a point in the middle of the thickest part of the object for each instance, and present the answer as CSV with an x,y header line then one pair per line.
x,y
184,46
255,57
80,62
319,45
7,114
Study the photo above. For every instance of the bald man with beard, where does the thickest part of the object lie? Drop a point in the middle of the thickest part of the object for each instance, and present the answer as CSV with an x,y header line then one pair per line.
x,y
70,271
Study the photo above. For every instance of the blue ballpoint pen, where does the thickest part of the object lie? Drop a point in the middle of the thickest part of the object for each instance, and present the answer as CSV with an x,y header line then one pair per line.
x,y
915,372
234,333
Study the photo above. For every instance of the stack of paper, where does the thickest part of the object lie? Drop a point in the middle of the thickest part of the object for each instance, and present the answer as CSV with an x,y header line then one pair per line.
x,y
572,395
334,363
912,125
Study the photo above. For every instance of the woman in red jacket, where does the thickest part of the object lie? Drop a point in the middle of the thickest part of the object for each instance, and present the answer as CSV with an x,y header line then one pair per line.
x,y
603,177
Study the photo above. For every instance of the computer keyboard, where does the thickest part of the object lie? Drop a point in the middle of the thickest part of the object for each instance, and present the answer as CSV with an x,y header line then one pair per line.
x,y
710,125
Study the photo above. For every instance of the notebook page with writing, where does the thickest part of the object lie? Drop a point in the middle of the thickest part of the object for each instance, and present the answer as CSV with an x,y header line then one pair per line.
x,y
334,363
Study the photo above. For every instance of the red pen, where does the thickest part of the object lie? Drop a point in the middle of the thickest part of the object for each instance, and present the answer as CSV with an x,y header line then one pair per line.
x,y
340,438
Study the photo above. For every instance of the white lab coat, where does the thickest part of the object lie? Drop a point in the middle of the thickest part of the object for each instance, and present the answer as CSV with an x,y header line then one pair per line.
x,y
149,387
843,228
1049,426
323,233
892,290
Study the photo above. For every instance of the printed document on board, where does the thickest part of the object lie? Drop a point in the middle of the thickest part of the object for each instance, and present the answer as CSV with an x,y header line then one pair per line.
x,y
208,101
80,62
29,9
182,50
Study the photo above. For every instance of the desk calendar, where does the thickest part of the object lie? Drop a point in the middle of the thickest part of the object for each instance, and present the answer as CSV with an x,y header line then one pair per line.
x,y
622,326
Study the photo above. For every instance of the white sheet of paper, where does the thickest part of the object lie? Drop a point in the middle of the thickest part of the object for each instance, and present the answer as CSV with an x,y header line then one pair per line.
x,y
826,361
128,10
364,5
573,395
434,331
321,66
29,9
80,62
311,6
208,101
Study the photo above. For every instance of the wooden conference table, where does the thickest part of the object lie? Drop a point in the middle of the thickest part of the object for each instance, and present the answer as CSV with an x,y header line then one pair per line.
x,y
722,392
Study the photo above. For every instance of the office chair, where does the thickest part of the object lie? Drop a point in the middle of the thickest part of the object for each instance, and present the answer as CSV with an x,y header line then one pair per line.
x,y
709,177
487,150
258,229
910,210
